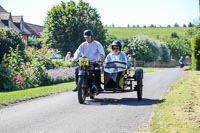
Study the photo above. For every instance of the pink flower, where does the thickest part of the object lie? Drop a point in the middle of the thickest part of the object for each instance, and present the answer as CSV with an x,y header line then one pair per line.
x,y
17,77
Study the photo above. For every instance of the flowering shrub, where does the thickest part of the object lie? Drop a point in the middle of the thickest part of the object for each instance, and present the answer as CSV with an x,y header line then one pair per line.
x,y
16,74
11,71
42,56
54,53
61,74
19,80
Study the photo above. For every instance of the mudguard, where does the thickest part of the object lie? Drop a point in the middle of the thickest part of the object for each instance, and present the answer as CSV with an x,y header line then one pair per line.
x,y
138,73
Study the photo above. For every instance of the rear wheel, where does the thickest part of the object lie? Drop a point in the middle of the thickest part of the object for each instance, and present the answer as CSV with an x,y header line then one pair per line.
x,y
91,96
139,89
81,91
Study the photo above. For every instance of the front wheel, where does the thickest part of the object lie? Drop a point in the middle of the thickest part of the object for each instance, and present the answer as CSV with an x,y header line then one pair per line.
x,y
81,91
182,65
139,89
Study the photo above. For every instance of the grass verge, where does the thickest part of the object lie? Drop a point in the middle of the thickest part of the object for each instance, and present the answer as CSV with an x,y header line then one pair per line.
x,y
7,98
150,69
147,69
180,110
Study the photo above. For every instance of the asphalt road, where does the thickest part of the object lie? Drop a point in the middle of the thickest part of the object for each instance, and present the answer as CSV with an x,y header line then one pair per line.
x,y
108,113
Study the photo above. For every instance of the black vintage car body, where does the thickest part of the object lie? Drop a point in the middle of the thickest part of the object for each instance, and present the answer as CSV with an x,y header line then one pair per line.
x,y
123,80
117,77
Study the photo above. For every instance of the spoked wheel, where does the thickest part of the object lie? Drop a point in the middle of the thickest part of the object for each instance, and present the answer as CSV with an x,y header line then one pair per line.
x,y
91,96
139,89
81,91
93,90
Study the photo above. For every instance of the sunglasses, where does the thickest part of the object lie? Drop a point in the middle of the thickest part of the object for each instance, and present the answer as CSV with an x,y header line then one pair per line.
x,y
115,48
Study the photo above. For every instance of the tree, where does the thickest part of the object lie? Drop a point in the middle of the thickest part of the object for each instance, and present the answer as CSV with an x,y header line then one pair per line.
x,y
176,25
174,35
184,25
10,39
152,26
179,47
168,25
146,49
196,52
113,26
190,32
165,54
190,24
34,42
195,45
66,22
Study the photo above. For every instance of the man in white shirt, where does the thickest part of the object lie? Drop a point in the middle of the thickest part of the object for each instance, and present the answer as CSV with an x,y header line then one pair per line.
x,y
91,49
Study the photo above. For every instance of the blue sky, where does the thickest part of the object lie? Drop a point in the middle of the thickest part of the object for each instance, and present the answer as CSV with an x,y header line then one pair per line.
x,y
117,12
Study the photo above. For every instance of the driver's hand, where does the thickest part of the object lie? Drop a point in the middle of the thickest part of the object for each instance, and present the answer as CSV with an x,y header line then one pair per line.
x,y
102,58
74,61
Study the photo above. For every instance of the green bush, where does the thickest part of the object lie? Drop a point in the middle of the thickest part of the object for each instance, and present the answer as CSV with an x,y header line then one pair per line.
x,y
17,74
34,42
10,38
146,49
195,52
11,71
59,63
41,55
178,47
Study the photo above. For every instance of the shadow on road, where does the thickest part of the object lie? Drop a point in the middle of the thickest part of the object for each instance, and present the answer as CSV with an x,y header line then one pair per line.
x,y
124,101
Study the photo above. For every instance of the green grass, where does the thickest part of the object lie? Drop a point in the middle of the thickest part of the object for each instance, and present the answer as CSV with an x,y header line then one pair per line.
x,y
156,33
7,98
150,69
147,69
180,110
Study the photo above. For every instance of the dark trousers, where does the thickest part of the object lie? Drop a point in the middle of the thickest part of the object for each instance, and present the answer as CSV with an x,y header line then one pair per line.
x,y
97,75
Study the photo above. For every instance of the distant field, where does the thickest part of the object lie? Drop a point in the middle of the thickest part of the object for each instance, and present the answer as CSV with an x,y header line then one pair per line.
x,y
158,33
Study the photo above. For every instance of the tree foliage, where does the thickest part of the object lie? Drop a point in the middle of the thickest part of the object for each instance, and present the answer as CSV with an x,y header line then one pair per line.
x,y
34,42
10,39
174,35
195,44
66,22
143,48
190,24
179,47
196,52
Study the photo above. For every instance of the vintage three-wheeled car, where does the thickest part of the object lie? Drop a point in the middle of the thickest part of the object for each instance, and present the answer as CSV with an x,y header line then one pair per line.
x,y
117,77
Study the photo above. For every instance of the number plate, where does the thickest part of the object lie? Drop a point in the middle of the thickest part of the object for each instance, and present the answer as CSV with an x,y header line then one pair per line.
x,y
83,62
